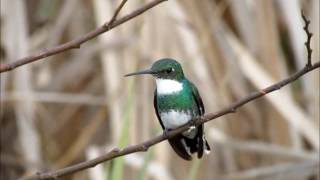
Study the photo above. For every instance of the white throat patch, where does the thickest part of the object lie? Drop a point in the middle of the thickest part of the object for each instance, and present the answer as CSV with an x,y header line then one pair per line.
x,y
168,86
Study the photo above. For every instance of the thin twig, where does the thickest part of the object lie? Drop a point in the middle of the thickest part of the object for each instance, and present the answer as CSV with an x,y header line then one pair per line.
x,y
76,43
309,35
115,15
145,145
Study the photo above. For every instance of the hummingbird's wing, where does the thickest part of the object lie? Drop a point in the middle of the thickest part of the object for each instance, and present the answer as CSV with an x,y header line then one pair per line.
x,y
156,108
197,98
201,141
178,143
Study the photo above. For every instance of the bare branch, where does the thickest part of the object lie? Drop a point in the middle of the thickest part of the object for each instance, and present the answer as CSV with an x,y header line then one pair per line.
x,y
145,145
116,152
76,43
309,35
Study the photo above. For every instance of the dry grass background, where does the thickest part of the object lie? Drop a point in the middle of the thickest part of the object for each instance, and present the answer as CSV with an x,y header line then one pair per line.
x,y
77,105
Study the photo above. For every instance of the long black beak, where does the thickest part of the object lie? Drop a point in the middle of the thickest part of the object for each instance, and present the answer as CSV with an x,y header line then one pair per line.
x,y
148,71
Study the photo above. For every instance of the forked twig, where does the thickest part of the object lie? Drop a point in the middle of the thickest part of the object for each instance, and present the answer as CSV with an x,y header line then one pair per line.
x,y
76,43
309,35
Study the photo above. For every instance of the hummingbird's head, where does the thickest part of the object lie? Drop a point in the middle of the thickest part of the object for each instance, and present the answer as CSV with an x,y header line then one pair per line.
x,y
164,69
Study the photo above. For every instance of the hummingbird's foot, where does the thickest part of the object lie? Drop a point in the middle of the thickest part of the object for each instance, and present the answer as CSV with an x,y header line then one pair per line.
x,y
191,128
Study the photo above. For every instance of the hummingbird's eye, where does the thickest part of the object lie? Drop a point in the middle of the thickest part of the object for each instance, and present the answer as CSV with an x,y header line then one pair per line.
x,y
170,70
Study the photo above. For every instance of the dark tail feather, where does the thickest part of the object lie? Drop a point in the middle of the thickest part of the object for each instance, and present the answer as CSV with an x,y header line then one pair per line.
x,y
205,148
202,142
185,147
179,145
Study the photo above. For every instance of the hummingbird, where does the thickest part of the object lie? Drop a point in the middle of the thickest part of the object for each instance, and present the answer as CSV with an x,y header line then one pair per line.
x,y
176,102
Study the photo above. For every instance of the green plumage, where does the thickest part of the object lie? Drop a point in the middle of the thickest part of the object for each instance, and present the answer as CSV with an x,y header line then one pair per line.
x,y
180,101
176,102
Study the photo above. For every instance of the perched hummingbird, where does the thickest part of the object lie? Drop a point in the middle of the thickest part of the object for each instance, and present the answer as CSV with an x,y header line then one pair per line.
x,y
176,102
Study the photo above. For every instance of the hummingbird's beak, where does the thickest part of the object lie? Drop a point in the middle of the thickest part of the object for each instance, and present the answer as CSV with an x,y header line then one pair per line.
x,y
148,71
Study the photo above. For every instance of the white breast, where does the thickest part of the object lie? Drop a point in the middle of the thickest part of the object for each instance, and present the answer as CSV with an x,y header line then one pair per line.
x,y
173,119
168,86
